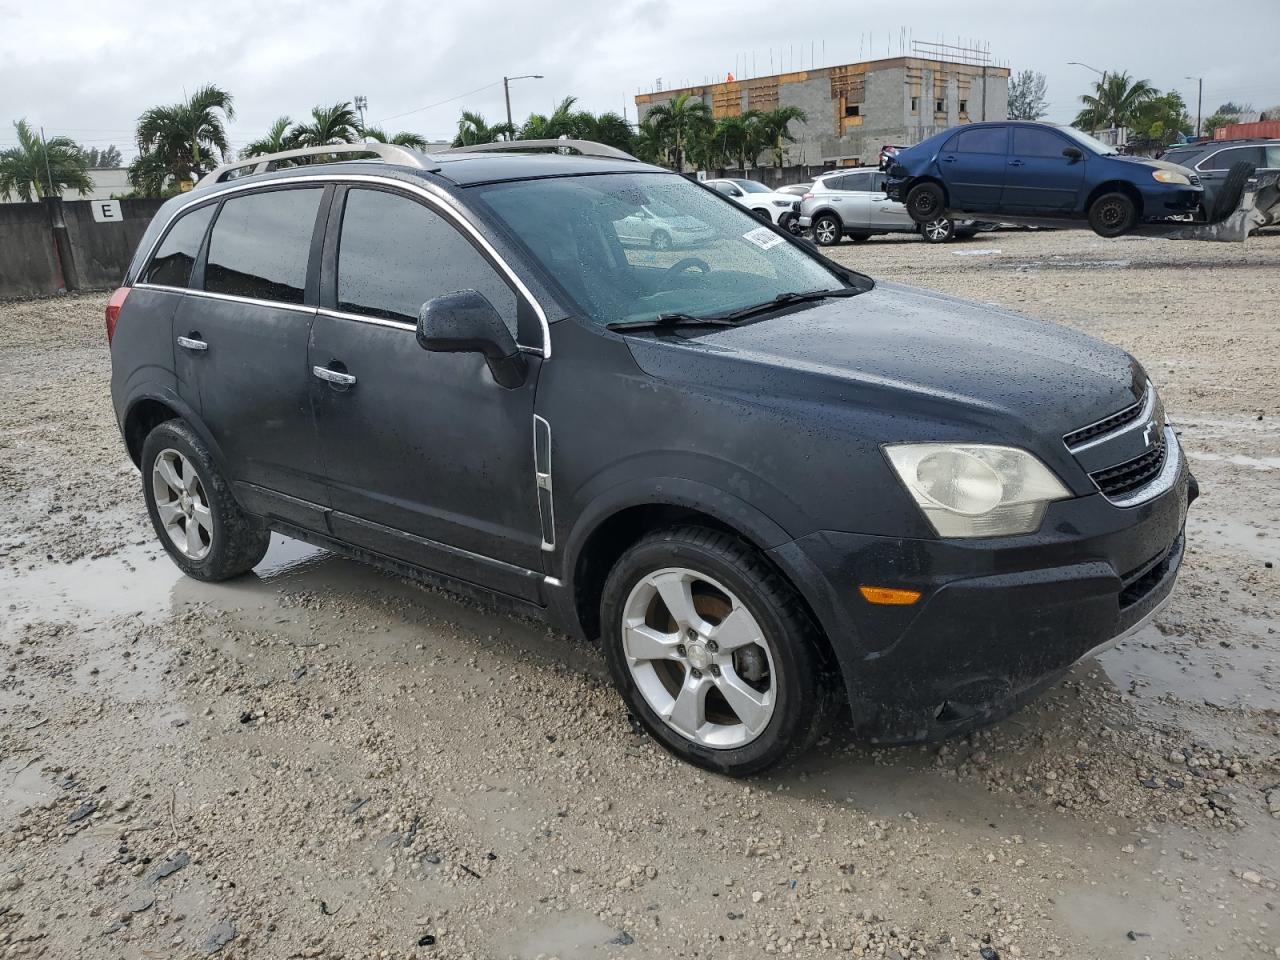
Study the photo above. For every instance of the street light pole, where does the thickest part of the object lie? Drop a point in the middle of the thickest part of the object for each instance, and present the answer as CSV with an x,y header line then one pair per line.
x,y
506,91
1199,101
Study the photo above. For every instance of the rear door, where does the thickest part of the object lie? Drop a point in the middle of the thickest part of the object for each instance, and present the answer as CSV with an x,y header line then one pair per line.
x,y
1040,178
973,164
241,333
886,213
428,459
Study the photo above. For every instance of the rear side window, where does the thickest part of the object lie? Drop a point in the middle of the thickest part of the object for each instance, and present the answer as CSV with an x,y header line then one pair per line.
x,y
171,266
857,181
394,254
261,243
1183,157
982,140
1030,142
1224,159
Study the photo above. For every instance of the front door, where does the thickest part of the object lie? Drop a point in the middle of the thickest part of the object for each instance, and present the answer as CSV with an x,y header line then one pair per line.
x,y
973,167
885,213
428,459
241,338
1040,178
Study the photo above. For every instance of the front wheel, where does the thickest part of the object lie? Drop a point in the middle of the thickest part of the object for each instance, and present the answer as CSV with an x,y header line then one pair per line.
x,y
827,230
714,653
661,240
925,202
1113,214
790,222
197,520
938,231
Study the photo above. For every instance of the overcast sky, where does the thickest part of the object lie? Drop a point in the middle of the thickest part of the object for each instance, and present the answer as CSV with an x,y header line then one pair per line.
x,y
88,68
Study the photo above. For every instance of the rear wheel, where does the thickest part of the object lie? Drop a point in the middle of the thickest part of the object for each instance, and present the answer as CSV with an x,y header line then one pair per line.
x,y
938,231
925,202
713,652
661,240
859,237
198,521
827,230
1113,214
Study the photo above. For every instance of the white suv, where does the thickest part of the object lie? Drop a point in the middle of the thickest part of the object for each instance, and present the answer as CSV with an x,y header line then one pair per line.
x,y
780,208
853,203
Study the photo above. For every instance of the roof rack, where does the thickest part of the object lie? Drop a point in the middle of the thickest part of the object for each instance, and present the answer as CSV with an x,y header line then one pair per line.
x,y
387,152
587,148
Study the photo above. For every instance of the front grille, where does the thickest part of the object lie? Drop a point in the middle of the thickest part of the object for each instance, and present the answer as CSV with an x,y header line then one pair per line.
x,y
1105,425
1132,474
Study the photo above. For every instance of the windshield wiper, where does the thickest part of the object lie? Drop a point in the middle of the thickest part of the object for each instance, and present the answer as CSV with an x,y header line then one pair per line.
x,y
786,299
664,320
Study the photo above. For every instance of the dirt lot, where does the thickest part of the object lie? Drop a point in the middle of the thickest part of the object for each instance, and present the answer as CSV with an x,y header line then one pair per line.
x,y
324,761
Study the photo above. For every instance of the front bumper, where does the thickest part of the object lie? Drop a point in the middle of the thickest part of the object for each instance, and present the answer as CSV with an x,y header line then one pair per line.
x,y
1159,201
998,619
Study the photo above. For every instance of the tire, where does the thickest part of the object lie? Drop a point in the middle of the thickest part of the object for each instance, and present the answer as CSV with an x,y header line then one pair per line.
x,y
938,231
786,684
790,222
661,240
1113,214
1233,186
763,214
827,230
859,237
231,542
925,202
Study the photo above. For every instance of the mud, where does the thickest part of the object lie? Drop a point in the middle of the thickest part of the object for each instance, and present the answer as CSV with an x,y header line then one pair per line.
x,y
321,760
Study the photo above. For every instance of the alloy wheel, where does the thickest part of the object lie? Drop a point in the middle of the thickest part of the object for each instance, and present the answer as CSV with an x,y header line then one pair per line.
x,y
937,229
825,232
699,658
182,505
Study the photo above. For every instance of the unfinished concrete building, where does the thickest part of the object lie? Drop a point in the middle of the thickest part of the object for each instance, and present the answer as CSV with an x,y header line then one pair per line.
x,y
856,108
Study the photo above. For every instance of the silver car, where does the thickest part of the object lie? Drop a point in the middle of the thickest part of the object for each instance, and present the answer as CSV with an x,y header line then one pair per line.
x,y
853,203
654,225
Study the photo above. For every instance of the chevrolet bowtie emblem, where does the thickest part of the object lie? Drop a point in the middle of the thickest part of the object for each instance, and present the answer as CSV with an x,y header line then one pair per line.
x,y
1146,434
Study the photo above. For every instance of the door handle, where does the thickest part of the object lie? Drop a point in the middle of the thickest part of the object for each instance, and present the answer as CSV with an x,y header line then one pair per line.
x,y
1015,163
192,343
948,159
336,377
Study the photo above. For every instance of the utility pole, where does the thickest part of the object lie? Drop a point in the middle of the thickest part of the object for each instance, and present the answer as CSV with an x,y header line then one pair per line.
x,y
361,102
1101,84
506,92
1199,101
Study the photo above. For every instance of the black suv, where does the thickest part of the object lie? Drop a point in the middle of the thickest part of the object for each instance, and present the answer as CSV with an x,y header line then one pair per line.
x,y
769,485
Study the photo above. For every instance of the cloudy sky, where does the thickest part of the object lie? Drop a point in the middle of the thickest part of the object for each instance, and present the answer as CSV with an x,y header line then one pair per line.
x,y
87,68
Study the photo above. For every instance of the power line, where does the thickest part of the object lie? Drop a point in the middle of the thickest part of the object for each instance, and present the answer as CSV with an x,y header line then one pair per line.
x,y
439,103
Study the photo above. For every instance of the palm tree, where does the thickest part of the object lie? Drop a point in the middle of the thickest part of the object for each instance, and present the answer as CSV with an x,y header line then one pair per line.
x,y
336,124
775,127
648,144
563,122
36,168
280,137
679,121
402,139
1114,102
183,135
741,138
612,129
472,130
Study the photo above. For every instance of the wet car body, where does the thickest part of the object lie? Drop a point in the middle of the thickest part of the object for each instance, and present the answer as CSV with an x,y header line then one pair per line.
x,y
775,429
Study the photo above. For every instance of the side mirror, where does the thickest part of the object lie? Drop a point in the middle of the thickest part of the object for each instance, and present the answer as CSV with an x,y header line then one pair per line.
x,y
466,322
1073,153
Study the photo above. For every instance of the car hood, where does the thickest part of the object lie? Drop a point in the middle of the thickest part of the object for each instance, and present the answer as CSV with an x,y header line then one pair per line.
x,y
685,223
912,352
1157,164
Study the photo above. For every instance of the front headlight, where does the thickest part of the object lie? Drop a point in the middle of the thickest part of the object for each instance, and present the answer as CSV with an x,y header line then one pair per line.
x,y
1171,176
782,203
976,490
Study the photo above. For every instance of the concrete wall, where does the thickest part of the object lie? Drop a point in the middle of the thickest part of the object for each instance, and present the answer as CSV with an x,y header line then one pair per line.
x,y
99,253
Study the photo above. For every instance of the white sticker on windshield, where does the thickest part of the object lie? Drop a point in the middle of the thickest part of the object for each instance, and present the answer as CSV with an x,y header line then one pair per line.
x,y
762,237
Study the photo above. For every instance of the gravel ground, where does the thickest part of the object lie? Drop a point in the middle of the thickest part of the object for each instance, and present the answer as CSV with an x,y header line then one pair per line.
x,y
326,761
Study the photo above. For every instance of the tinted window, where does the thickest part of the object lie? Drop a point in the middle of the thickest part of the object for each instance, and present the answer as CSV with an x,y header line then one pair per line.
x,y
261,243
1272,157
394,254
728,189
1224,159
171,265
1183,157
857,181
1030,142
982,140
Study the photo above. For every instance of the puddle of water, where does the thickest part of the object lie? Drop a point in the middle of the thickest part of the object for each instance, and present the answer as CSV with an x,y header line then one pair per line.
x,y
23,785
570,935
980,252
1254,539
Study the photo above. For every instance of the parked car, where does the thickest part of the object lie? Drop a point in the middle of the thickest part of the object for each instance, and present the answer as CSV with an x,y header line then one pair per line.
x,y
853,203
796,189
766,203
1039,170
662,228
767,484
1212,161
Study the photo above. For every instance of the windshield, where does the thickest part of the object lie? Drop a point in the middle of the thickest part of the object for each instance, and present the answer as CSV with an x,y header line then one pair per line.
x,y
1094,144
752,186
618,267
